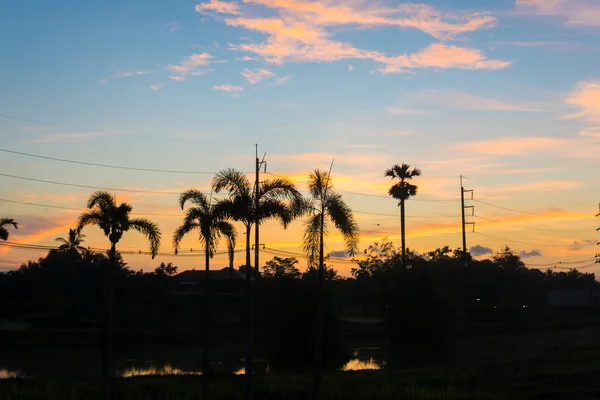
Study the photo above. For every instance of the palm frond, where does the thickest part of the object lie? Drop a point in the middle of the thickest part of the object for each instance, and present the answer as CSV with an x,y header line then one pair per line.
x,y
3,233
62,240
279,188
9,221
234,181
312,238
148,229
194,196
94,218
103,199
318,183
342,218
276,209
182,230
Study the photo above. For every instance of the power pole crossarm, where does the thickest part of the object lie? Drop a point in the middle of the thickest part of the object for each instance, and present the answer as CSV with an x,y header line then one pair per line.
x,y
464,222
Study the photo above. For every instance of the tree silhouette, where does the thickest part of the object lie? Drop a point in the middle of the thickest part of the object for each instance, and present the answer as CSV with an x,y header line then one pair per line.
x,y
277,199
114,220
211,222
231,254
3,231
402,191
72,244
324,202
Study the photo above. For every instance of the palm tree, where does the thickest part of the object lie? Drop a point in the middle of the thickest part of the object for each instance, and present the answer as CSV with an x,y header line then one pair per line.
x,y
210,221
114,220
402,191
3,231
73,242
325,203
277,199
231,254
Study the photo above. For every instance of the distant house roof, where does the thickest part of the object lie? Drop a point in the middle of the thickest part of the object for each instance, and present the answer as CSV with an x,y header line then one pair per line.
x,y
197,276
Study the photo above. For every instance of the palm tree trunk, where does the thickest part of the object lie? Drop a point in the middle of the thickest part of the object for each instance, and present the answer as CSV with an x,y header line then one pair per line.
x,y
403,233
248,356
206,325
318,373
107,324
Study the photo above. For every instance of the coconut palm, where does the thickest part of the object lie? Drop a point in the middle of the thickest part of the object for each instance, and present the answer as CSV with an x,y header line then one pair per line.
x,y
114,220
212,224
402,191
325,204
3,231
72,244
277,199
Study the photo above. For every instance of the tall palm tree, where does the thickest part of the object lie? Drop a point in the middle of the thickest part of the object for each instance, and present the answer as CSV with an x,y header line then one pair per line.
x,y
402,191
277,199
325,204
212,224
72,244
114,220
3,231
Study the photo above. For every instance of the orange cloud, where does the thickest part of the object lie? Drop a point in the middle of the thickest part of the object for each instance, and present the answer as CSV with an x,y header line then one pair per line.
x,y
586,97
301,32
513,145
439,55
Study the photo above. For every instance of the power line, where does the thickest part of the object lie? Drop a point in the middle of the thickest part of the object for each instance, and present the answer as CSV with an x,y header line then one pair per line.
x,y
106,165
532,229
180,215
87,186
365,194
506,208
561,263
533,244
75,128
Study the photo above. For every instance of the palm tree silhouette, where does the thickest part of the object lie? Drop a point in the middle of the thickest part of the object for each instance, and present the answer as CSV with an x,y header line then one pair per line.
x,y
231,254
402,191
3,231
324,203
277,199
114,220
212,223
73,242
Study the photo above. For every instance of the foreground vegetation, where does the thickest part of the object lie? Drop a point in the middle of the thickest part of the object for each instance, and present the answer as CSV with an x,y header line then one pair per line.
x,y
564,372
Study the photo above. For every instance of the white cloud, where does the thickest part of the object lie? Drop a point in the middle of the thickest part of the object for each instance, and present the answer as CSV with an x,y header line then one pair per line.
x,y
405,111
456,99
103,80
190,66
228,88
283,79
350,67
575,12
256,75
156,86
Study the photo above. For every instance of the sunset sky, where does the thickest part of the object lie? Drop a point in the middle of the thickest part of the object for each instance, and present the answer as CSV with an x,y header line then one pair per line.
x,y
504,92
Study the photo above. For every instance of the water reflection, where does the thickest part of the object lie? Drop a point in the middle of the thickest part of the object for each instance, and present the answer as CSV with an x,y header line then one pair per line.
x,y
8,374
357,364
153,369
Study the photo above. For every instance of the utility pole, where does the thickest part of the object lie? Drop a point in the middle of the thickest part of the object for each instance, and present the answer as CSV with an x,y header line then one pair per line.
x,y
598,230
464,222
259,164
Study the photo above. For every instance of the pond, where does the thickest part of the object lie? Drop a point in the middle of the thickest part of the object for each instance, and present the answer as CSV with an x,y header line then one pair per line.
x,y
85,363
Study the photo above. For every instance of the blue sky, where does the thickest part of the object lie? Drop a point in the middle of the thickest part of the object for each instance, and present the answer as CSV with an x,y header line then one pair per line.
x,y
504,92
